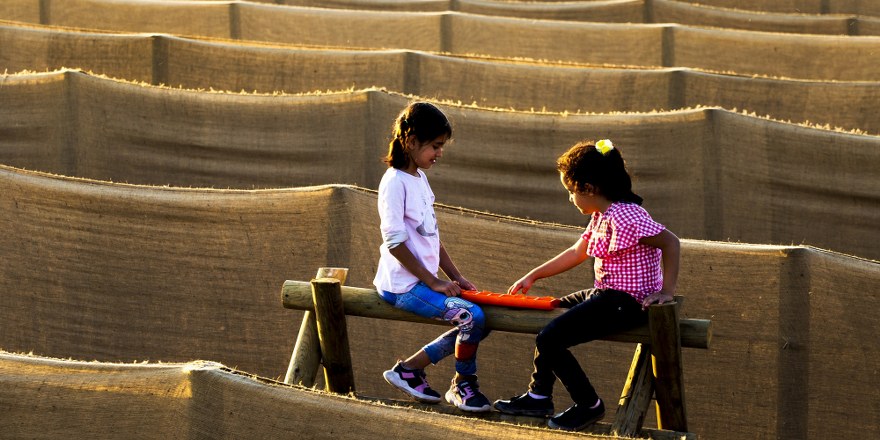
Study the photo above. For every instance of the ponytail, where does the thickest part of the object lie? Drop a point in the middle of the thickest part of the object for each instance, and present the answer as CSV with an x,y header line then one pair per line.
x,y
397,156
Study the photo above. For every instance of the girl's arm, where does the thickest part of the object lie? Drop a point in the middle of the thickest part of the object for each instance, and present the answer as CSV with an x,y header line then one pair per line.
x,y
567,259
670,247
452,272
415,267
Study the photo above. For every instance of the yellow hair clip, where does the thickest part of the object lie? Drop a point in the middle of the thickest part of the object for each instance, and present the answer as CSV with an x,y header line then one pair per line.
x,y
604,146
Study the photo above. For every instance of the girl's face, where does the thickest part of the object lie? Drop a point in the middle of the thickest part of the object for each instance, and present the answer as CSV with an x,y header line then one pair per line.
x,y
587,202
424,155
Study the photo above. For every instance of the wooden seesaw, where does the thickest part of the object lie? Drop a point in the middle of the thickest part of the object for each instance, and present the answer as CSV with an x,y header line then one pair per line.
x,y
656,368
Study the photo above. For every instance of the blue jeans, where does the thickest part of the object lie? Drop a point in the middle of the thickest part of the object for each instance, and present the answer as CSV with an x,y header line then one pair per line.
x,y
467,317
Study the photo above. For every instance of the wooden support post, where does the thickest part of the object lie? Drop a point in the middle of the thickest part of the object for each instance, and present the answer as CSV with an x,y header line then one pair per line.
x,y
333,335
636,395
306,358
668,371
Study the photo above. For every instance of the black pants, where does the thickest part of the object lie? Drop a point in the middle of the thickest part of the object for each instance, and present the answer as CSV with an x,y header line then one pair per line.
x,y
592,314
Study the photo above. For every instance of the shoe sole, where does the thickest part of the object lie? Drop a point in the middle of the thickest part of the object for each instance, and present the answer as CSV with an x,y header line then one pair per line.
x,y
525,412
581,427
394,380
450,397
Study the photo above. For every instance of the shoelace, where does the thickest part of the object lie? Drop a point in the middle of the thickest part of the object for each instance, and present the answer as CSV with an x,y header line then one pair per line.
x,y
424,378
466,388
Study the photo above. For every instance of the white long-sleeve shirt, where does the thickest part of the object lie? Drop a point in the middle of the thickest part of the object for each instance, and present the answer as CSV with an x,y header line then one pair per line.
x,y
406,211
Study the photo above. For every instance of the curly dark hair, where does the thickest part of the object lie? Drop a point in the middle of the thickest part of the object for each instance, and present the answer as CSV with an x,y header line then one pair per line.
x,y
584,165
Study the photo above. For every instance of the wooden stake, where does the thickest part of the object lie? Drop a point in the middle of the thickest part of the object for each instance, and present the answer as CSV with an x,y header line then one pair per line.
x,y
668,371
636,395
306,358
333,335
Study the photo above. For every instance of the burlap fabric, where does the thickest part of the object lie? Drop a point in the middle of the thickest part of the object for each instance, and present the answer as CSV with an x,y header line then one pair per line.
x,y
833,18
801,22
46,398
707,174
115,272
118,272
223,65
798,6
814,17
776,54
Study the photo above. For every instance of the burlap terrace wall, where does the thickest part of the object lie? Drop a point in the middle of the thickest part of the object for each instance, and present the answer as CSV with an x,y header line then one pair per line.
x,y
847,20
707,174
222,65
861,7
636,11
701,15
627,11
798,7
49,398
95,270
745,52
113,272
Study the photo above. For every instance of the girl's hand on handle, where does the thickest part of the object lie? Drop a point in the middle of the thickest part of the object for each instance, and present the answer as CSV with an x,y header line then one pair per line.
x,y
447,288
660,297
465,284
523,284
567,259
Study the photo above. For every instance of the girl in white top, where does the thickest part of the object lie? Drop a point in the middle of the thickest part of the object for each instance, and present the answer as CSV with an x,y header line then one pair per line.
x,y
412,254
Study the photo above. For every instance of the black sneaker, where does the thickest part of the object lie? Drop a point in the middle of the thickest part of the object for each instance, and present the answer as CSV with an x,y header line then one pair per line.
x,y
526,405
411,382
577,417
466,396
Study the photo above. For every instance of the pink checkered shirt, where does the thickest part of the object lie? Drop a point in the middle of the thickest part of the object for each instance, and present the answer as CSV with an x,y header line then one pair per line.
x,y
622,263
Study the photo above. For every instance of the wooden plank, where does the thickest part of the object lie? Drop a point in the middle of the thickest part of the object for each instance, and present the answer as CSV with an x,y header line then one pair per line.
x,y
333,335
695,333
668,371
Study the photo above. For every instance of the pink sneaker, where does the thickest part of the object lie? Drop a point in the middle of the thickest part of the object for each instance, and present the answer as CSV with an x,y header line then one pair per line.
x,y
466,396
411,382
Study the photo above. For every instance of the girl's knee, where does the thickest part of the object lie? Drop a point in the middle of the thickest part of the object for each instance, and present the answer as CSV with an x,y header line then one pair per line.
x,y
479,319
464,314
546,340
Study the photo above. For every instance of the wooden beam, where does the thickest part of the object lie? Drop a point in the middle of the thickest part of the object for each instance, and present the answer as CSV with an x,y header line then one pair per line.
x,y
695,333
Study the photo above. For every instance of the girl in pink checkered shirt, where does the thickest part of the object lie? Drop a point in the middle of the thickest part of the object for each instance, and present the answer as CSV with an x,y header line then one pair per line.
x,y
628,247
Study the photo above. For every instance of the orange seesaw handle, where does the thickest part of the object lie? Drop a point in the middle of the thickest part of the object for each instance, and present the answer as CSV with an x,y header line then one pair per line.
x,y
508,300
